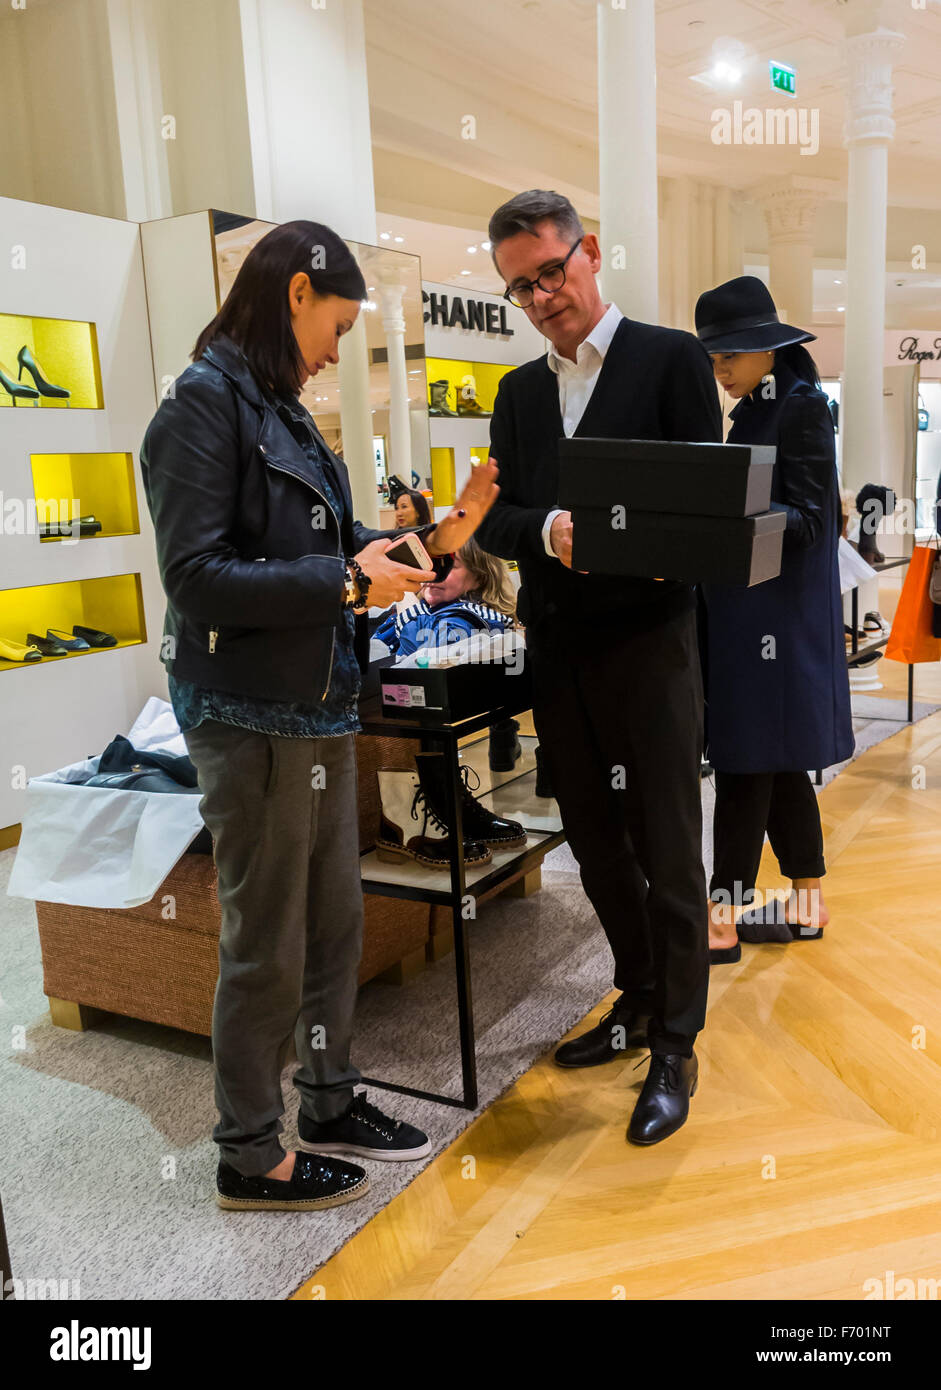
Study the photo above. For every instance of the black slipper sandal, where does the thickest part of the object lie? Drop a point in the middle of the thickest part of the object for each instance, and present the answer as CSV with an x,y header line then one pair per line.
x,y
761,925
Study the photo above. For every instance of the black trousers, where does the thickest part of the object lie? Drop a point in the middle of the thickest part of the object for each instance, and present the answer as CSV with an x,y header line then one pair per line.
x,y
749,803
619,721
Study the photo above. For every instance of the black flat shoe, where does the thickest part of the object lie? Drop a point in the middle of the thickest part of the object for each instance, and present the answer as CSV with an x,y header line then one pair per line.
x,y
49,646
68,640
663,1104
316,1182
622,1029
725,955
93,637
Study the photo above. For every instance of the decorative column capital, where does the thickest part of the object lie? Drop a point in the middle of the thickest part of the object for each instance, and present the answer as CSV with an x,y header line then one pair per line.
x,y
869,89
790,207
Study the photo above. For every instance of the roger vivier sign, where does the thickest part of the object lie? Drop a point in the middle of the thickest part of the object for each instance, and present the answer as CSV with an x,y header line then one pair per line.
x,y
454,311
919,348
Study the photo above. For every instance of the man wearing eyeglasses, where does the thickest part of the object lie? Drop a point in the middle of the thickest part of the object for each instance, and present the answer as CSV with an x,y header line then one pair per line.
x,y
617,697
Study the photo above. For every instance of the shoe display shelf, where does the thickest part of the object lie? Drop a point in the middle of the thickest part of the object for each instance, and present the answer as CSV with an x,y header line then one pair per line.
x,y
50,363
74,329
101,485
458,440
453,888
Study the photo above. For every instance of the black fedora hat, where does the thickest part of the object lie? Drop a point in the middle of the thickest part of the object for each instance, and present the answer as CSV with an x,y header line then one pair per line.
x,y
740,316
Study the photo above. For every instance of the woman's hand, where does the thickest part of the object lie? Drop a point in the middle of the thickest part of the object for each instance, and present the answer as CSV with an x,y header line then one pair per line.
x,y
390,581
477,497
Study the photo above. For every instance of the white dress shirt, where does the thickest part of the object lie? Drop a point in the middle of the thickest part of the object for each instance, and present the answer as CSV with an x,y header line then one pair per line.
x,y
577,382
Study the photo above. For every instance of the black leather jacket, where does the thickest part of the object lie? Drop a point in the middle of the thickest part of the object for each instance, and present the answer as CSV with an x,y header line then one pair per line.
x,y
250,553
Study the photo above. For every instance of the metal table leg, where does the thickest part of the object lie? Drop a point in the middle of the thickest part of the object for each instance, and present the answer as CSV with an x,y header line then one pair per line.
x,y
465,1006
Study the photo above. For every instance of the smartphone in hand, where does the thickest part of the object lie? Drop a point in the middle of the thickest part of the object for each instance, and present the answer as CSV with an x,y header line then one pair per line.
x,y
410,551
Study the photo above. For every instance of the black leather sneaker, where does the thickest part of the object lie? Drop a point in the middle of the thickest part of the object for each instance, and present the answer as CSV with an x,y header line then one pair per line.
x,y
365,1132
316,1182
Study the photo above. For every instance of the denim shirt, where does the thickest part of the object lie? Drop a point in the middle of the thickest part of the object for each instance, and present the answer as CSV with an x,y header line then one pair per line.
x,y
337,713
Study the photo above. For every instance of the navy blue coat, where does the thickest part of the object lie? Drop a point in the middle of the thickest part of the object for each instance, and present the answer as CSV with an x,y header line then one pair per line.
x,y
777,689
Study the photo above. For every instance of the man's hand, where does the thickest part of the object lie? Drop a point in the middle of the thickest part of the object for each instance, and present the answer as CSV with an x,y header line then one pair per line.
x,y
560,537
477,497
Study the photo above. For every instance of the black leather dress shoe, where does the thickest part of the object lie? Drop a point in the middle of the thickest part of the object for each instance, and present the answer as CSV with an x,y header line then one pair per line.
x,y
602,1043
663,1104
315,1182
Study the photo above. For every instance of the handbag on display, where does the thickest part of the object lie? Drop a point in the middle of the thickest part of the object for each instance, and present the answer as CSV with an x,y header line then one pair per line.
x,y
912,638
924,419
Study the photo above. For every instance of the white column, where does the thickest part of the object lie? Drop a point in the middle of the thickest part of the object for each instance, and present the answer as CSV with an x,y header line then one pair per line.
x,y
308,113
135,69
393,323
869,129
790,209
627,156
356,422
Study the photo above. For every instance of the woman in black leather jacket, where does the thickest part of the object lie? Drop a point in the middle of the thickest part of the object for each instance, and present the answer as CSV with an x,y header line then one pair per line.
x,y
265,571
777,690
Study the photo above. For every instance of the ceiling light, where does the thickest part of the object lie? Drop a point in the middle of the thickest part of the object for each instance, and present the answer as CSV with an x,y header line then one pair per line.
x,y
398,238
841,308
385,236
726,73
485,246
465,272
838,282
471,250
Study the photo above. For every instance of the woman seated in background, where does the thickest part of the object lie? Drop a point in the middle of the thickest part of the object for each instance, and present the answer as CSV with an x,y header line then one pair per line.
x,y
476,596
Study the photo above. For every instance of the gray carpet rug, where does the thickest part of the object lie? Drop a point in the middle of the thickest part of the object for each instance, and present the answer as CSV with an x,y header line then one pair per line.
x,y
107,1169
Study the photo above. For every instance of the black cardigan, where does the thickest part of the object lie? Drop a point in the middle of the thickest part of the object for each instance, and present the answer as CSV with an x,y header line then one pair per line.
x,y
655,383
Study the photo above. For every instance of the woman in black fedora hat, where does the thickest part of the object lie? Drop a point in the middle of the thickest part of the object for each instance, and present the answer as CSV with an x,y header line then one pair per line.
x,y
777,690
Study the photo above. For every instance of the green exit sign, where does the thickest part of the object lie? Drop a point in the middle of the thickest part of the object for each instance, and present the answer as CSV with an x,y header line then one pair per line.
x,y
783,78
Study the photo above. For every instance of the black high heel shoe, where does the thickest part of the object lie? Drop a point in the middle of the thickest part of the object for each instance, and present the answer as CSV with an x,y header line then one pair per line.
x,y
15,389
44,387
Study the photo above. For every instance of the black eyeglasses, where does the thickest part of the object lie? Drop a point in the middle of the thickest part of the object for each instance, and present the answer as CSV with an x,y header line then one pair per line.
x,y
549,280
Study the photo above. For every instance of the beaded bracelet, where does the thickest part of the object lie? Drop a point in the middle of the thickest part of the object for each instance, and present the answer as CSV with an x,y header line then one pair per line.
x,y
363,582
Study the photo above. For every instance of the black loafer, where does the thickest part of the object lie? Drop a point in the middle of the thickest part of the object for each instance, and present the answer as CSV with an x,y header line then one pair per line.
x,y
621,1030
316,1182
49,646
725,955
365,1132
94,638
663,1104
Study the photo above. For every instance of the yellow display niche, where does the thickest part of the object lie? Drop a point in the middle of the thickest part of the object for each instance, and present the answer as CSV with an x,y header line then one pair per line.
x,y
49,363
67,486
113,604
480,378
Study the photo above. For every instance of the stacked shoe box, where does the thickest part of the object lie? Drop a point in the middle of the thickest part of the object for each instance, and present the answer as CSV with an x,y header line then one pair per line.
x,y
655,509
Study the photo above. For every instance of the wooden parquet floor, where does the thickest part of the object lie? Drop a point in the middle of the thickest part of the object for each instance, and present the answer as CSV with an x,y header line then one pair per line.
x,y
811,1162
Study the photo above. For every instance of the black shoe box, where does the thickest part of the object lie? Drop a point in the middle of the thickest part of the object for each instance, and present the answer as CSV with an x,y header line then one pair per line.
x,y
693,549
646,475
448,694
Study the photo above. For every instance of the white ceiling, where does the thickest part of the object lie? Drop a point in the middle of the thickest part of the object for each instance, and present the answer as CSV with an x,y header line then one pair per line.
x,y
528,72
